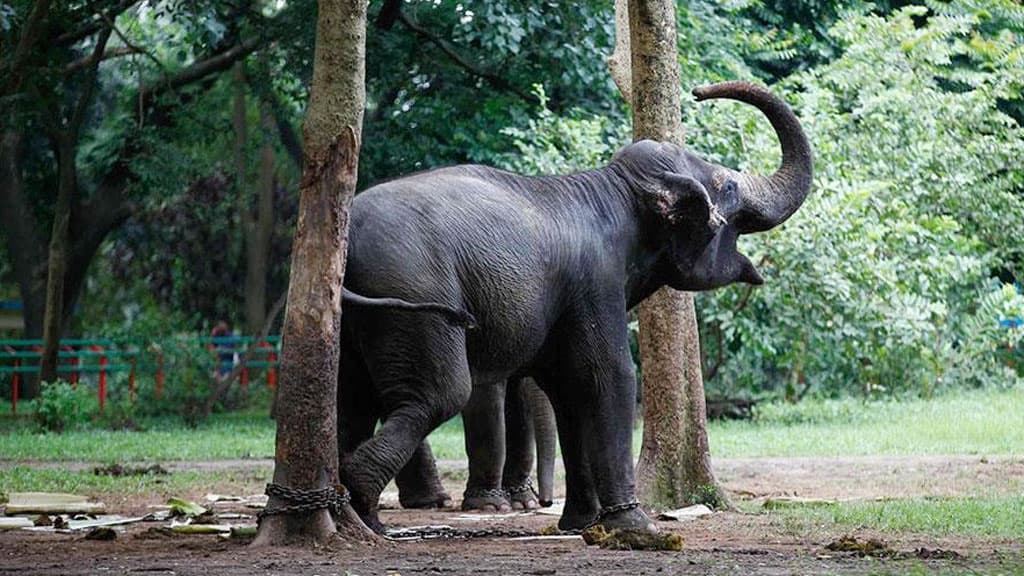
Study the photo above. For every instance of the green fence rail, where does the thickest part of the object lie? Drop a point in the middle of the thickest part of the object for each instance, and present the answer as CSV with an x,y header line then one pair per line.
x,y
102,357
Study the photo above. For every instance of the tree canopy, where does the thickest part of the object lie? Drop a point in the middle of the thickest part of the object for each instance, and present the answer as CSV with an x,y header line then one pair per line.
x,y
892,277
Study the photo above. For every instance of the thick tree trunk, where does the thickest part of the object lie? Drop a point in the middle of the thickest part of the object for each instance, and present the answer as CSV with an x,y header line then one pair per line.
x,y
306,456
53,321
674,467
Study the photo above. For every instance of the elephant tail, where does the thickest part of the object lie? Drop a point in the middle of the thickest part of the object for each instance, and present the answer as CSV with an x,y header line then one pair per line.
x,y
454,316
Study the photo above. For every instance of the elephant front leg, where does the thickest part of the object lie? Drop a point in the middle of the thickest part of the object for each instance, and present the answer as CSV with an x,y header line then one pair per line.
x,y
600,378
607,440
483,418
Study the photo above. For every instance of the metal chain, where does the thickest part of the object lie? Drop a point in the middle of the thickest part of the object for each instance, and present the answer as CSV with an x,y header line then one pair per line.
x,y
476,492
304,501
609,510
447,532
524,487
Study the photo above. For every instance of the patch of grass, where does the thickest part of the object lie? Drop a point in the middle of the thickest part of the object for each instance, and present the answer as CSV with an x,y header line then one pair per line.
x,y
26,479
976,422
979,422
448,441
976,516
223,436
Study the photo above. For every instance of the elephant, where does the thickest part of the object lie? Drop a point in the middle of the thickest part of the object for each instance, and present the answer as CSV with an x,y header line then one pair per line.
x,y
503,424
501,450
533,276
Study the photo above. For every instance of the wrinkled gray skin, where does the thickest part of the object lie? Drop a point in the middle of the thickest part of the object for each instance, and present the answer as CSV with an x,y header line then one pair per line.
x,y
547,268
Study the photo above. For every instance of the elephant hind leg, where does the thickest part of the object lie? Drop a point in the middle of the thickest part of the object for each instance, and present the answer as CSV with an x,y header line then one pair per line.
x,y
421,378
419,485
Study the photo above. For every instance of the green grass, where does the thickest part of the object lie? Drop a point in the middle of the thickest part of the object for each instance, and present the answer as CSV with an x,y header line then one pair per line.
x,y
981,422
977,422
26,479
977,516
225,436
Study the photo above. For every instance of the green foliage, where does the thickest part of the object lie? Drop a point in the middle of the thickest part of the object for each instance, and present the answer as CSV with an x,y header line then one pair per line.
x,y
885,279
893,276
426,109
560,144
61,407
709,495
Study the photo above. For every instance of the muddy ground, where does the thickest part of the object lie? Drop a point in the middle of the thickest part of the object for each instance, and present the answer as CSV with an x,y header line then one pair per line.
x,y
724,543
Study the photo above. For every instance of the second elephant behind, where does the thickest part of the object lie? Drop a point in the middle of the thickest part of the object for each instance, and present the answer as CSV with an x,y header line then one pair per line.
x,y
503,424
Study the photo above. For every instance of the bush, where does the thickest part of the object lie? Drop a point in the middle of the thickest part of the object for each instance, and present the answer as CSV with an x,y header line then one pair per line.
x,y
888,279
61,407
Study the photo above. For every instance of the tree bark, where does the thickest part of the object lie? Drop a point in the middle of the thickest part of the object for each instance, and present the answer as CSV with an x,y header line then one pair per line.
x,y
306,455
57,261
259,226
65,139
674,467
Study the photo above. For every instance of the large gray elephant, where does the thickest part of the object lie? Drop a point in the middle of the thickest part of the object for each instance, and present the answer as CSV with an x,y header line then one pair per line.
x,y
544,269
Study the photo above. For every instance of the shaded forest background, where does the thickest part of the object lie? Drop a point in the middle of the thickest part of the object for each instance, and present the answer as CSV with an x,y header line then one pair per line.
x,y
171,127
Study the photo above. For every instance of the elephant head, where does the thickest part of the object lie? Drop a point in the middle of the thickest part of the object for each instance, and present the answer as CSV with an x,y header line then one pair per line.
x,y
700,208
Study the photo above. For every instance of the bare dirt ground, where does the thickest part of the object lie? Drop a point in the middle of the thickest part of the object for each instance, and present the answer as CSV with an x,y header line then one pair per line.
x,y
724,543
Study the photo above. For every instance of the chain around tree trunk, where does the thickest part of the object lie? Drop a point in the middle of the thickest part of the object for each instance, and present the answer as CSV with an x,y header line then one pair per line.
x,y
304,501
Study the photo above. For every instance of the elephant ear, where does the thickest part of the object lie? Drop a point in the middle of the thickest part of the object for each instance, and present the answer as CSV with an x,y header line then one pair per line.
x,y
683,199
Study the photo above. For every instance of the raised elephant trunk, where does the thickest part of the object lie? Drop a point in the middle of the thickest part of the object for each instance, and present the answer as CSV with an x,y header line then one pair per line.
x,y
767,201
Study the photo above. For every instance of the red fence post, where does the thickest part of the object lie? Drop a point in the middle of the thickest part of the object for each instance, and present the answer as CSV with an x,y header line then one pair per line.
x,y
159,376
271,367
15,383
74,363
102,391
131,381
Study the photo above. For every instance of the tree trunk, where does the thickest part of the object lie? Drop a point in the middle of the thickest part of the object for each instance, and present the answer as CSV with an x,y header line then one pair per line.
x,y
306,455
258,230
255,290
675,466
24,247
53,319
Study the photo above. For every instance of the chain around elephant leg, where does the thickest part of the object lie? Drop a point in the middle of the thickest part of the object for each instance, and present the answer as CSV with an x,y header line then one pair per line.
x,y
486,499
523,496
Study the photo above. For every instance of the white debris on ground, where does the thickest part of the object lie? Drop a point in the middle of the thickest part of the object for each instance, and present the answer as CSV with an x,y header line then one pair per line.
x,y
687,513
65,513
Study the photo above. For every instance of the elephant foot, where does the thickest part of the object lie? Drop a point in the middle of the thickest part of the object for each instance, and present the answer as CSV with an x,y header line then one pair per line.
x,y
522,496
371,519
486,500
625,517
439,499
572,520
